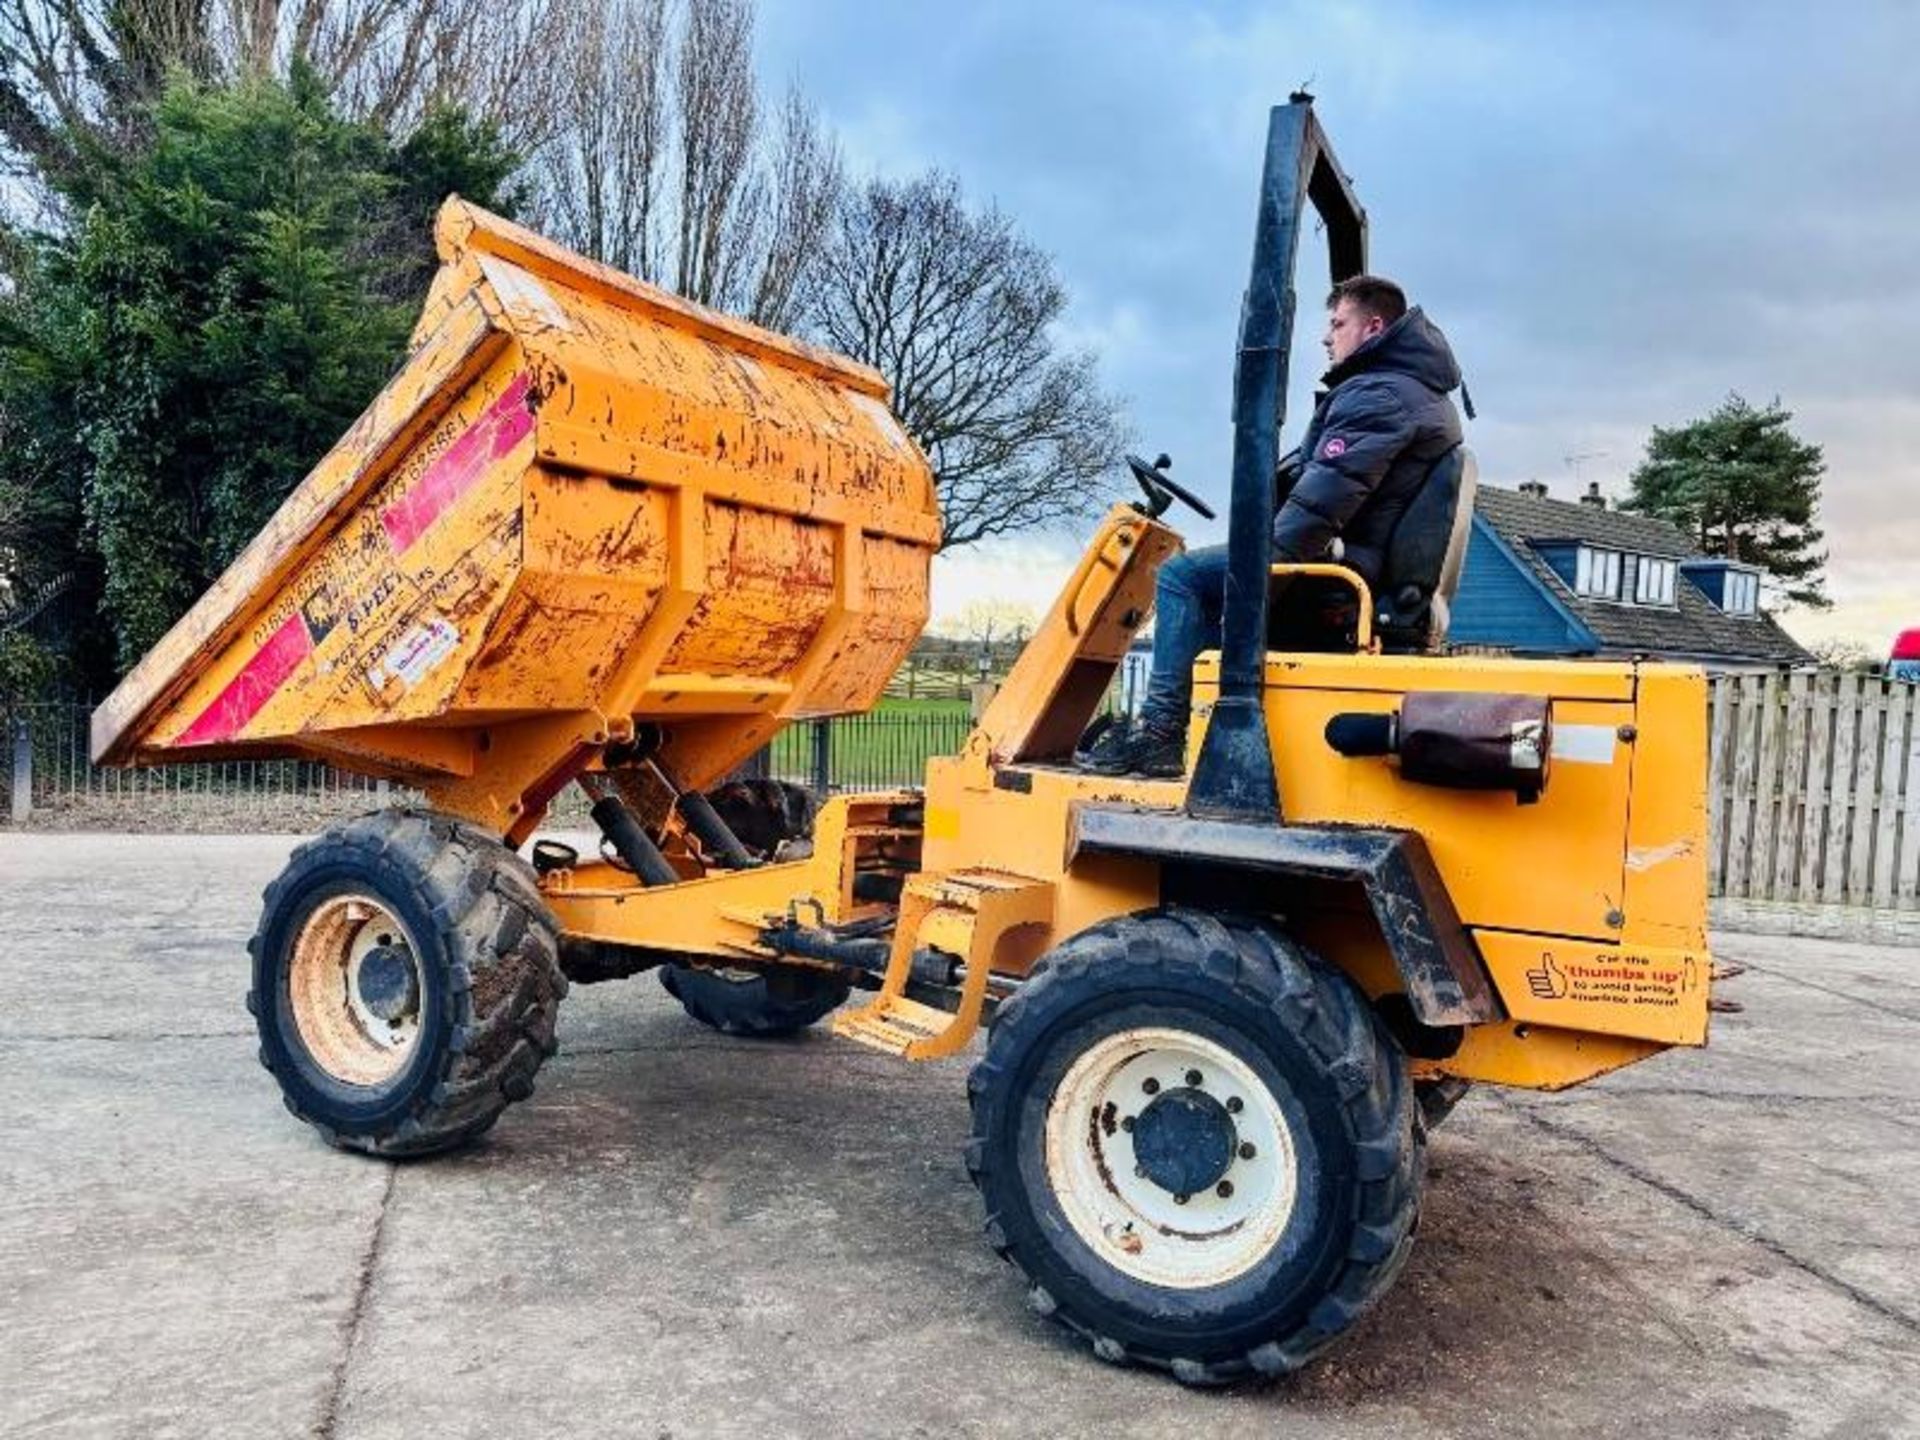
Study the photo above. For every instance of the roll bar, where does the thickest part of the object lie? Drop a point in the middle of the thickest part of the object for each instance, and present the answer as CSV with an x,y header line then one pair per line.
x,y
1234,778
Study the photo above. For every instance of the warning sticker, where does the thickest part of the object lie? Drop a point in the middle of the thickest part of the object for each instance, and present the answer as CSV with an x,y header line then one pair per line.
x,y
415,653
1655,994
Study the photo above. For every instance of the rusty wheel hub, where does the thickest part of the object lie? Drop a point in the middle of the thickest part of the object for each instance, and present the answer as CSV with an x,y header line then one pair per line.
x,y
355,989
1170,1157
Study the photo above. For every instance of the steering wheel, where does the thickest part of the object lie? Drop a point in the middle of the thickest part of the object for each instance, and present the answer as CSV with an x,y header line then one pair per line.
x,y
1161,491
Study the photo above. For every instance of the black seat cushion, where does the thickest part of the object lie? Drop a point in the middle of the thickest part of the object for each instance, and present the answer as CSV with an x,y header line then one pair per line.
x,y
1420,571
1424,557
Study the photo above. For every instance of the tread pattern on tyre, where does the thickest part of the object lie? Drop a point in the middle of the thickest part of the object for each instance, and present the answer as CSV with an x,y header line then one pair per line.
x,y
753,1008
1317,1003
763,812
504,997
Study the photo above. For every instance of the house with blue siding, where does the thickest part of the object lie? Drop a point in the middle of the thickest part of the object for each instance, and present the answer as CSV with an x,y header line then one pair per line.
x,y
1558,577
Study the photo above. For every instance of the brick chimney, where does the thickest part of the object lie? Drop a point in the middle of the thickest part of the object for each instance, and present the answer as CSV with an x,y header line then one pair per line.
x,y
1593,496
1535,488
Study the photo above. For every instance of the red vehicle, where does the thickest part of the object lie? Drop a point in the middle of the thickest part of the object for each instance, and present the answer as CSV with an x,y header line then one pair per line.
x,y
1905,663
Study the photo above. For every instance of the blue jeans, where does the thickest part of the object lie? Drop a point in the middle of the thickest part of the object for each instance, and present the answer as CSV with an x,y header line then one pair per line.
x,y
1187,603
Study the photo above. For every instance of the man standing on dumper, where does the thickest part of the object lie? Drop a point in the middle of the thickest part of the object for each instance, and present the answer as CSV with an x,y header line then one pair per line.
x,y
1379,425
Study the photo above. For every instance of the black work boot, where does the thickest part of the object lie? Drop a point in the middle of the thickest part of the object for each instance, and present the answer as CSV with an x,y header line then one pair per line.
x,y
1125,748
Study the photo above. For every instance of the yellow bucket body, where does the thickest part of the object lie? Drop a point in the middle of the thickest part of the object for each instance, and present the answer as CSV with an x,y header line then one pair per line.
x,y
580,494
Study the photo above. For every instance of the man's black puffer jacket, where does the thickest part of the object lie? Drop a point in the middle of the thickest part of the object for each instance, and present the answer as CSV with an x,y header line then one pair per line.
x,y
1383,421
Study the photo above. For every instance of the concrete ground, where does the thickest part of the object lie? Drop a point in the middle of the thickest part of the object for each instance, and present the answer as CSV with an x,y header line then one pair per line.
x,y
686,1236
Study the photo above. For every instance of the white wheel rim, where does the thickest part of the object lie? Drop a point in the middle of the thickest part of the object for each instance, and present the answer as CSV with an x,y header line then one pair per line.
x,y
341,1031
1135,1225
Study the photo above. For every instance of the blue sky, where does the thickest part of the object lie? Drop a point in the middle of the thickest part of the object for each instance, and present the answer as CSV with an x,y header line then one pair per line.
x,y
1618,212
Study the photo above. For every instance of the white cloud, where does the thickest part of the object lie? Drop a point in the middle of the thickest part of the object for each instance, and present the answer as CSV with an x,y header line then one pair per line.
x,y
1117,333
1027,571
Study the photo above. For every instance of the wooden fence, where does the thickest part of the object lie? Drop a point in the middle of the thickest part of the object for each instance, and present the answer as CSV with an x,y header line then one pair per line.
x,y
1814,795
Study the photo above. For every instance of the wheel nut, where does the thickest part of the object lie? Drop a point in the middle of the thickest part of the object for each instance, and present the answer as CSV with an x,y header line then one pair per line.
x,y
1246,1150
1140,1172
1193,1078
1223,1189
1234,1105
1181,1199
1150,1085
1126,1123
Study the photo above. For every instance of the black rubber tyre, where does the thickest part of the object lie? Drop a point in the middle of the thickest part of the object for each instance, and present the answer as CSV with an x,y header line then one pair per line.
x,y
764,813
487,983
1329,1070
778,1002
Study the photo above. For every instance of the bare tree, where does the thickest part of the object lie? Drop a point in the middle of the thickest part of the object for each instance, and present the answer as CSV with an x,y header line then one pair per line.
x,y
604,168
82,71
640,120
718,107
391,61
663,164
74,72
806,181
957,310
992,627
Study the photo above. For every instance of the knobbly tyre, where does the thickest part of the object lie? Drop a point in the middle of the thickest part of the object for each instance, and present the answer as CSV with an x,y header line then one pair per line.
x,y
593,534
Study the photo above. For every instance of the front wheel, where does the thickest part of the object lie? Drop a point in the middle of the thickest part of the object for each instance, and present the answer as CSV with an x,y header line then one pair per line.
x,y
1198,1144
405,982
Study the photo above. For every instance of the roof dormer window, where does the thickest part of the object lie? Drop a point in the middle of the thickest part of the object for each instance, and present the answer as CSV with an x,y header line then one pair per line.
x,y
1621,576
1732,586
1653,585
1596,573
1742,593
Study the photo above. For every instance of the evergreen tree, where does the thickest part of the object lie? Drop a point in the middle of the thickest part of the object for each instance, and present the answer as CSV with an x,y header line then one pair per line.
x,y
1743,486
228,299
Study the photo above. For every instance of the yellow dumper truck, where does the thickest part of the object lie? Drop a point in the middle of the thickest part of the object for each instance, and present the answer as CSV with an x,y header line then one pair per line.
x,y
592,534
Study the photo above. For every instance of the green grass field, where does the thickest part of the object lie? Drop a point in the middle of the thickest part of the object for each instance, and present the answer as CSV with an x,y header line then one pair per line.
x,y
893,705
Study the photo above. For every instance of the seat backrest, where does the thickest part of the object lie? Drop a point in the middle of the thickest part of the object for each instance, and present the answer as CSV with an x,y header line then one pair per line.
x,y
1424,556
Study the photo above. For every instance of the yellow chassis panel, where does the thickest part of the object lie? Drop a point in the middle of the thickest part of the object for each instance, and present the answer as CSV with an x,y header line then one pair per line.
x,y
1586,907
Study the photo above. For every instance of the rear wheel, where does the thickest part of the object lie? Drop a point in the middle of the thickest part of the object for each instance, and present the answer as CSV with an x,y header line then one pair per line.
x,y
771,818
405,982
765,814
760,1005
1198,1144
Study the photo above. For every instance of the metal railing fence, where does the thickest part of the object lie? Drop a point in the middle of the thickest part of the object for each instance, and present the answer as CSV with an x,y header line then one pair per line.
x,y
46,778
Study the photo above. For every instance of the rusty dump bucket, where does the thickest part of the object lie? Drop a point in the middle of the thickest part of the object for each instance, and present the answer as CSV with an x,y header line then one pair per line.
x,y
580,496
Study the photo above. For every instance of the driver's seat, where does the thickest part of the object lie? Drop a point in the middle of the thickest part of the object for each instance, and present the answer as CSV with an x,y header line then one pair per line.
x,y
1424,557
1420,570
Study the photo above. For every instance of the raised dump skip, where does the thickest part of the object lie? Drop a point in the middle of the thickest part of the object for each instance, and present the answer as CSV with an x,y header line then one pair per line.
x,y
580,497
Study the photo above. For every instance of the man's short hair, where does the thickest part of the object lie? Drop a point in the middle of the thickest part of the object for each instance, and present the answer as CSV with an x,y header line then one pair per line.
x,y
1373,294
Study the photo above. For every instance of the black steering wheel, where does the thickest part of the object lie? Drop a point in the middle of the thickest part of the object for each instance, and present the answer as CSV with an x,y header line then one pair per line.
x,y
1161,491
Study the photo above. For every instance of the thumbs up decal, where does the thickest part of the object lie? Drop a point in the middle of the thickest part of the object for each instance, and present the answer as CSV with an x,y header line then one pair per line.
x,y
1546,980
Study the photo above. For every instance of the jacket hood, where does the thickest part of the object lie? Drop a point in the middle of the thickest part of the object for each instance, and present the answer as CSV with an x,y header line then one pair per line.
x,y
1412,345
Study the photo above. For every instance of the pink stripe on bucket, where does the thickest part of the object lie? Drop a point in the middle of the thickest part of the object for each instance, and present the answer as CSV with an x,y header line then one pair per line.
x,y
258,681
483,443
